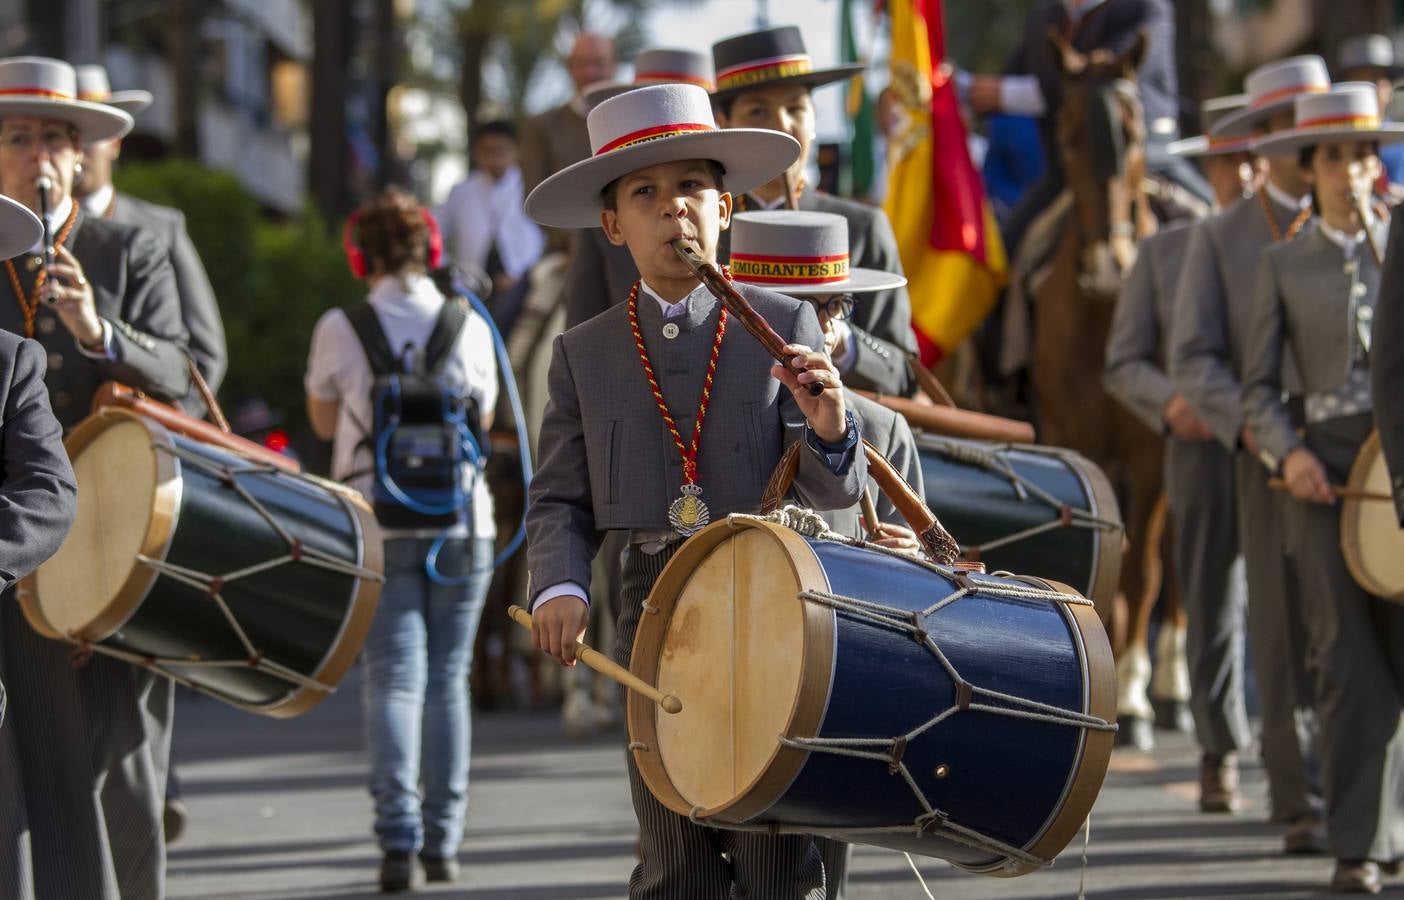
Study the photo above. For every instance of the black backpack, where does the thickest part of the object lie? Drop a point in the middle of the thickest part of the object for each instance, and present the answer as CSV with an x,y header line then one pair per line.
x,y
424,433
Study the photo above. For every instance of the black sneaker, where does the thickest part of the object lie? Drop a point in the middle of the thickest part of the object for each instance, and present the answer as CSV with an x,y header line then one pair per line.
x,y
396,872
439,869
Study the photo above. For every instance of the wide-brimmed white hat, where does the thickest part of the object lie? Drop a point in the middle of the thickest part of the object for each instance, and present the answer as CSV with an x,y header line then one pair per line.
x,y
1211,111
1349,112
657,65
800,252
94,87
649,126
19,228
48,88
1271,89
1368,51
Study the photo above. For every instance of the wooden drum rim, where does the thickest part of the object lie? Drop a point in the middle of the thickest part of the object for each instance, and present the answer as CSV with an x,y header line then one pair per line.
x,y
154,545
811,699
1350,522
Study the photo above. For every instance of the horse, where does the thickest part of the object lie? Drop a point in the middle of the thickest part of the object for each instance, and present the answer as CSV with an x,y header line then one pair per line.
x,y
1101,144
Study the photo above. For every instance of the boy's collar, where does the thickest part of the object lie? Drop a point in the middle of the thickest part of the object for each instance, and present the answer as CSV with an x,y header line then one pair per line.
x,y
689,312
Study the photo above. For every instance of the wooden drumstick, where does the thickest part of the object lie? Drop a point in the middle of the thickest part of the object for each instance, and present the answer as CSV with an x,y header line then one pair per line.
x,y
1340,492
608,667
870,511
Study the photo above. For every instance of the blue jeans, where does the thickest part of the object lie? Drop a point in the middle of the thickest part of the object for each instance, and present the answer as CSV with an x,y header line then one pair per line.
x,y
415,696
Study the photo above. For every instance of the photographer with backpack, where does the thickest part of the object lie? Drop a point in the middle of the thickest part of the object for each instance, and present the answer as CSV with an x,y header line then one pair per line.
x,y
404,385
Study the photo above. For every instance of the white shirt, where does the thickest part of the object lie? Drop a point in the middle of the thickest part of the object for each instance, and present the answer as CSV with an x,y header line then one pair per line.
x,y
479,213
96,203
1284,199
338,371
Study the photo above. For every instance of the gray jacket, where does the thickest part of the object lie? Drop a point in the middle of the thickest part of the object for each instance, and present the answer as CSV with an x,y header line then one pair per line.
x,y
599,276
1303,310
605,458
551,141
1135,364
1213,304
1387,361
198,308
890,434
134,288
37,490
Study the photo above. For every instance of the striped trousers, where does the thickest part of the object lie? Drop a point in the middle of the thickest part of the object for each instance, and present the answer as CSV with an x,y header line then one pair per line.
x,y
83,756
681,859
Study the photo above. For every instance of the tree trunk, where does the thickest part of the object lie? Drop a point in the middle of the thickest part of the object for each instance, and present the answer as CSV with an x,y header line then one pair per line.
x,y
1336,21
183,36
329,160
470,78
1193,59
386,64
45,21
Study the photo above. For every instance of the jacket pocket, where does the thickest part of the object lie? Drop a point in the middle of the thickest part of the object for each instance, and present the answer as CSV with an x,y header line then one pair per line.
x,y
615,442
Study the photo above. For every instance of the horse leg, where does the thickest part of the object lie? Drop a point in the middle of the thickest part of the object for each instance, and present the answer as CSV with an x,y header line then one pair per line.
x,y
1140,583
1170,685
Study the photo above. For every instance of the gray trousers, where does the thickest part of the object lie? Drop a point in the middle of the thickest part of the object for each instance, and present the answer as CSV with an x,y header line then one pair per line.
x,y
1357,642
1199,483
681,859
1275,627
83,758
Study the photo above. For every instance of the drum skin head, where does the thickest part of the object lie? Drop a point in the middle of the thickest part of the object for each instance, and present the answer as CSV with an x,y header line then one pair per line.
x,y
1371,539
730,618
128,496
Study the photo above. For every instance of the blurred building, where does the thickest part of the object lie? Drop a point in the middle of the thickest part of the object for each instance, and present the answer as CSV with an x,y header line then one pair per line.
x,y
249,71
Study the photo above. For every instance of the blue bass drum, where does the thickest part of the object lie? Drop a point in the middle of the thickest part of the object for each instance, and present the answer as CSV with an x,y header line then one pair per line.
x,y
830,688
1041,511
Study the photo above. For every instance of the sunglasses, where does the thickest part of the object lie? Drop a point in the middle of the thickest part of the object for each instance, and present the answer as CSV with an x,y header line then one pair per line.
x,y
835,306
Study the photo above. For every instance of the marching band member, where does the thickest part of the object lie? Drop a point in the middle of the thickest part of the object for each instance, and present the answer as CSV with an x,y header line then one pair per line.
x,y
661,171
1314,303
1198,470
105,310
37,489
1207,357
199,310
764,80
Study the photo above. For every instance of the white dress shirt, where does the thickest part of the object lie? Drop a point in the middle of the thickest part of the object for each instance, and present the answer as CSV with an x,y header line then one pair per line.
x,y
481,213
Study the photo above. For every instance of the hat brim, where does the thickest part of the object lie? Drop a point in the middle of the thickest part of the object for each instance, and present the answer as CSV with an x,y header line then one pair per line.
x,y
1242,122
1295,139
131,102
859,281
817,78
20,229
750,157
1199,146
94,121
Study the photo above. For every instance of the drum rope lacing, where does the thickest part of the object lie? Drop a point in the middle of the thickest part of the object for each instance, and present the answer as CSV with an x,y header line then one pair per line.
x,y
933,820
213,585
990,460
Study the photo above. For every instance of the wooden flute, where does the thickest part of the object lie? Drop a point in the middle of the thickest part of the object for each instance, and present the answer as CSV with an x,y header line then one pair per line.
x,y
738,306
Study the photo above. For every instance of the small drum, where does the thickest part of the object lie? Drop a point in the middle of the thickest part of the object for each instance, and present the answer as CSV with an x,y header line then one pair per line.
x,y
1371,539
239,579
1035,510
835,689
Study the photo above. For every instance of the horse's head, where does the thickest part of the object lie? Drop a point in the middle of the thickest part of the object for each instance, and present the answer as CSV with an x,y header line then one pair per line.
x,y
1101,139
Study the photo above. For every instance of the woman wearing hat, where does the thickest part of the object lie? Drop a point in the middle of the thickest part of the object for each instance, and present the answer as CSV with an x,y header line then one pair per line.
x,y
85,757
629,383
764,80
1314,305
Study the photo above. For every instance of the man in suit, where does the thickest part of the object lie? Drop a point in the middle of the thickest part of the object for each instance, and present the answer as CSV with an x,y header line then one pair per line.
x,y
1314,304
602,467
37,490
556,138
199,310
1207,357
89,745
1198,470
1387,362
1033,79
756,91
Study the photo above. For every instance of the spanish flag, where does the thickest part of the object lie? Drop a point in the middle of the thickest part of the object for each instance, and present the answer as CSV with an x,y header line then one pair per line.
x,y
946,233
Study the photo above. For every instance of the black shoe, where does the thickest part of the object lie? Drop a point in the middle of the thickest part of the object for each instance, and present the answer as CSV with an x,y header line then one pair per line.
x,y
439,869
396,872
1356,877
1173,715
1132,731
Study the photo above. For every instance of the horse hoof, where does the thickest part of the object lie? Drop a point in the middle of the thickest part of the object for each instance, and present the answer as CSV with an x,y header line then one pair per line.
x,y
1135,732
1173,715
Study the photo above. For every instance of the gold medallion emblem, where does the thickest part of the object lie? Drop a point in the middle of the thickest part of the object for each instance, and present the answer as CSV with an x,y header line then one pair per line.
x,y
688,514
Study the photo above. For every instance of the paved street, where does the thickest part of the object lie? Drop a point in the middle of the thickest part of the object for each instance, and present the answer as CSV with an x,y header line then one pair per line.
x,y
279,810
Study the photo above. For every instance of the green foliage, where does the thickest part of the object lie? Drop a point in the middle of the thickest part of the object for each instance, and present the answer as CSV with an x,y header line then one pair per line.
x,y
273,279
